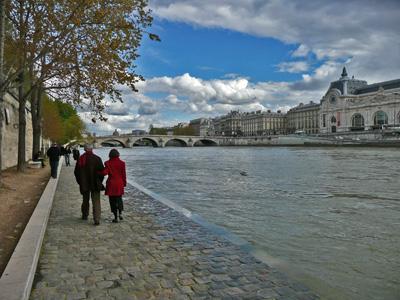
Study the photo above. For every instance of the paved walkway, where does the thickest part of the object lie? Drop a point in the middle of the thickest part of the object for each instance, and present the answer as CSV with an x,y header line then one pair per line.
x,y
154,253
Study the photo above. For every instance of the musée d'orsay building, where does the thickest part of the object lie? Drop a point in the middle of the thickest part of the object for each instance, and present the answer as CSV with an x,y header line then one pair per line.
x,y
352,105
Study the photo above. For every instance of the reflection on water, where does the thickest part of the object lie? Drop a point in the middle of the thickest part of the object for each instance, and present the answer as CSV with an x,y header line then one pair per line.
x,y
329,216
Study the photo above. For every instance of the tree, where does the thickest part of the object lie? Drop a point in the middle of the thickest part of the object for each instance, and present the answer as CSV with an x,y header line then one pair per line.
x,y
77,50
52,122
188,130
2,23
159,131
61,122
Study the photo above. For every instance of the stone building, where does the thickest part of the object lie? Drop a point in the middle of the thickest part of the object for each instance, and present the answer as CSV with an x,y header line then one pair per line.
x,y
202,126
10,132
228,125
303,118
353,105
263,123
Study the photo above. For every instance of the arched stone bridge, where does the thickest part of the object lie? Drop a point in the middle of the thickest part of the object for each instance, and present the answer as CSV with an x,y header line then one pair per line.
x,y
129,140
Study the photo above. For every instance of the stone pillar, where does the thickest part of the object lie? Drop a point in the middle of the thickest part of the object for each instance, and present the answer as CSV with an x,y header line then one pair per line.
x,y
128,143
160,143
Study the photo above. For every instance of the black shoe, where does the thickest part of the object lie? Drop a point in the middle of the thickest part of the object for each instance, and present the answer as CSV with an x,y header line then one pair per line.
x,y
115,221
96,223
120,217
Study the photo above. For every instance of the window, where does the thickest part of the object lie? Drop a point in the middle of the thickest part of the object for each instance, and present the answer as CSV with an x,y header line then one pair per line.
x,y
324,120
333,119
380,118
7,116
333,99
357,120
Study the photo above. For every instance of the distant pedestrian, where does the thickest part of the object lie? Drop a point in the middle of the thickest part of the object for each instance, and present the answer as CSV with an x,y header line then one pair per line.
x,y
116,181
75,153
88,175
67,153
54,154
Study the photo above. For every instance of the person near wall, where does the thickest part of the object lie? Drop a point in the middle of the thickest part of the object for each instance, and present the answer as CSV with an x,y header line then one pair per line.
x,y
88,174
54,157
116,181
38,157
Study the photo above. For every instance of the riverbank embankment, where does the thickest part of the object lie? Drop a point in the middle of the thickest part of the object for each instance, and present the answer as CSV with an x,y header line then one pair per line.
x,y
154,253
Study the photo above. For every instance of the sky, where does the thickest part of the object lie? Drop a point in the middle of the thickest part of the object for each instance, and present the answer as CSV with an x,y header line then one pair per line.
x,y
221,55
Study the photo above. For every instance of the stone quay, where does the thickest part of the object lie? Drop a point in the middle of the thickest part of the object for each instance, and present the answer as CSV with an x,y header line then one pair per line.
x,y
156,252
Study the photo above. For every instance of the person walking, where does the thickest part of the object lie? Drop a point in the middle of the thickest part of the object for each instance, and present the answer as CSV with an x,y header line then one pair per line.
x,y
75,153
116,181
67,152
54,154
88,175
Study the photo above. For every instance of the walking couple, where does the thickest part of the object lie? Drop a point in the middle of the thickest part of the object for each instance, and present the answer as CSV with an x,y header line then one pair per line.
x,y
89,173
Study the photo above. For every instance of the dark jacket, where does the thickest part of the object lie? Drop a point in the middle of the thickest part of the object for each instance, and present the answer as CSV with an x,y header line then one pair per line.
x,y
88,173
116,181
75,154
54,153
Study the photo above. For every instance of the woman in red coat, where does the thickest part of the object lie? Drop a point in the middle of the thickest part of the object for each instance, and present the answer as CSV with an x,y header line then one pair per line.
x,y
116,181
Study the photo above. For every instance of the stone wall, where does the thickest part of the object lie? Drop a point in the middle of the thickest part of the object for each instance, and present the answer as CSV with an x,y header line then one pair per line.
x,y
10,132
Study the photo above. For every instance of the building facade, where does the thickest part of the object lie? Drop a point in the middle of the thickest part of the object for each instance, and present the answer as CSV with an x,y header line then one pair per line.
x,y
202,126
229,124
303,118
353,105
263,123
10,132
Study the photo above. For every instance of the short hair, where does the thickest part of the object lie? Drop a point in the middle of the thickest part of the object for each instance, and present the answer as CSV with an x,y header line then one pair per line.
x,y
88,147
113,153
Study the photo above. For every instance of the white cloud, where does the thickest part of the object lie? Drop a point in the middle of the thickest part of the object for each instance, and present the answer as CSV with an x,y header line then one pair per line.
x,y
293,67
365,30
192,97
301,51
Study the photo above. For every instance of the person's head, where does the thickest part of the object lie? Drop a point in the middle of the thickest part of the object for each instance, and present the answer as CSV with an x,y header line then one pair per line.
x,y
54,145
88,147
113,153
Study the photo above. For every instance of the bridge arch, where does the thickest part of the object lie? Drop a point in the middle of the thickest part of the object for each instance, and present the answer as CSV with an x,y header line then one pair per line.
x,y
142,142
176,142
112,143
205,142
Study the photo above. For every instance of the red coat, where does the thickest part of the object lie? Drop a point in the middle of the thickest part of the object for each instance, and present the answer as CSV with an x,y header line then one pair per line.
x,y
116,181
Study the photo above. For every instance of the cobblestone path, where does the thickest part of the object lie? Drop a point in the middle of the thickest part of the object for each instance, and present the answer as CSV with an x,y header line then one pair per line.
x,y
154,253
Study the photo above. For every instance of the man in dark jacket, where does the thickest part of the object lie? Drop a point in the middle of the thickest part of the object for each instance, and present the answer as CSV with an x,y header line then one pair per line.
x,y
75,153
88,175
54,156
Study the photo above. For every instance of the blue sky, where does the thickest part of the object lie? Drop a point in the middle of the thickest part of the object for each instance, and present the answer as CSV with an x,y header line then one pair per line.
x,y
212,53
217,56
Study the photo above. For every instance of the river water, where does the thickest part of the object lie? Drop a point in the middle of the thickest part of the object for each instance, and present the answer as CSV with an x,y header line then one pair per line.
x,y
329,217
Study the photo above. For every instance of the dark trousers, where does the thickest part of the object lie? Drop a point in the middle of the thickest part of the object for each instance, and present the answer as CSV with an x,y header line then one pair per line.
x,y
116,204
54,166
66,156
95,202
